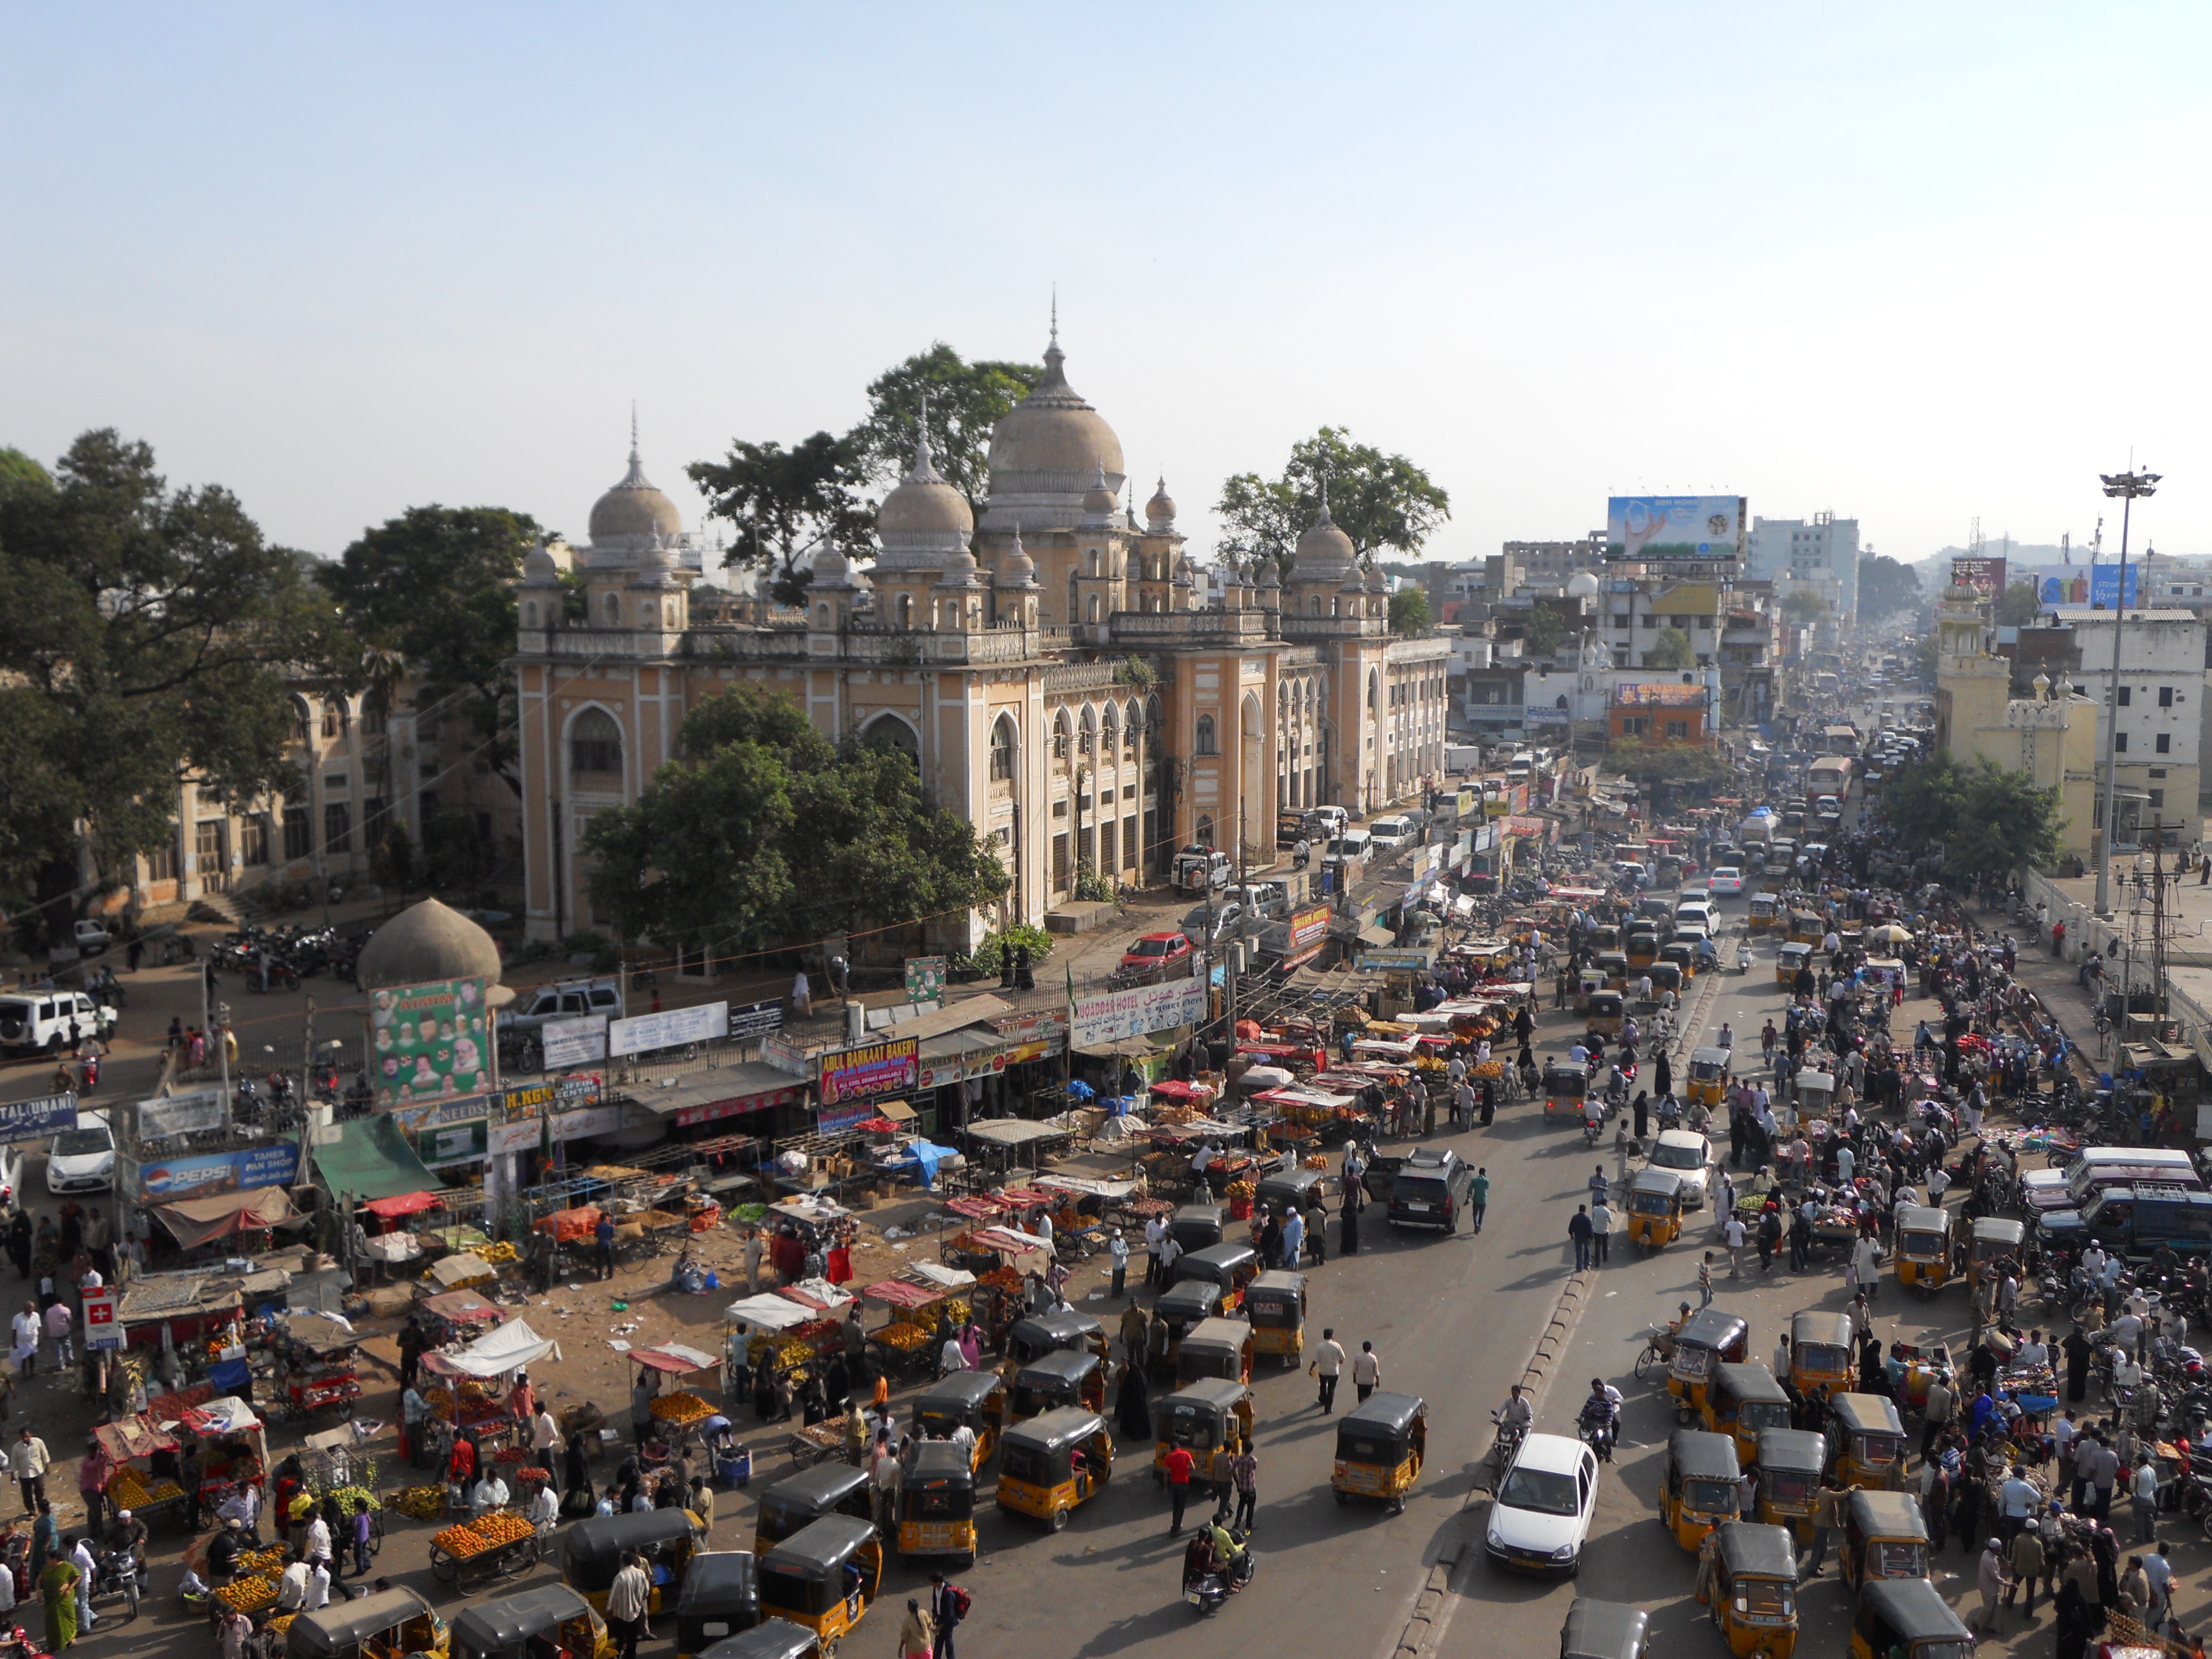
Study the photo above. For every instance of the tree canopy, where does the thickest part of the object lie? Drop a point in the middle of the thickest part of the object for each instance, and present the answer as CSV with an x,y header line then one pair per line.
x,y
1803,604
1670,648
1986,820
2019,606
783,502
1886,587
1409,611
1380,502
434,590
965,401
145,640
765,833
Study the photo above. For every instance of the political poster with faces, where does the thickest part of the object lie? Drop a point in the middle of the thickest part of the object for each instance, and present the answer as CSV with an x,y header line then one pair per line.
x,y
429,1042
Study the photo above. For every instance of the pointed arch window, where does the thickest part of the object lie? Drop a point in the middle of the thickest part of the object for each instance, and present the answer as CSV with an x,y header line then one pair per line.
x,y
1002,750
595,743
1203,740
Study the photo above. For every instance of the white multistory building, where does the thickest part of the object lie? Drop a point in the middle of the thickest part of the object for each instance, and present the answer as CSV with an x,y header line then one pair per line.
x,y
2160,708
1821,547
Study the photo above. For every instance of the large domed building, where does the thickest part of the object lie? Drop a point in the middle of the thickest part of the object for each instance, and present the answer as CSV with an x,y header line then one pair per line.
x,y
988,641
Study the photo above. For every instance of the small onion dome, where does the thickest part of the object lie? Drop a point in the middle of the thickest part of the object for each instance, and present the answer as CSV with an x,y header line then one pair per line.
x,y
1354,581
1269,577
832,569
1582,584
925,515
1017,569
1098,501
1182,571
538,570
633,511
960,571
1325,552
1160,511
424,944
1378,582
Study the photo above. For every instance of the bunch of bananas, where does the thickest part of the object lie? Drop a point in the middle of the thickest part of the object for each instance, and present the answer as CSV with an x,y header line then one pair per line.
x,y
363,1487
791,1353
248,1594
1318,1161
499,1254
956,1309
503,1527
420,1503
905,1338
1489,1068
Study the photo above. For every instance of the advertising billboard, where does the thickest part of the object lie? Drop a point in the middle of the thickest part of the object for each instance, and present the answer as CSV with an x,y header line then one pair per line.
x,y
643,1034
170,1179
431,1041
2084,584
1137,1012
1675,527
870,1071
1985,576
579,1042
26,1120
1648,694
180,1115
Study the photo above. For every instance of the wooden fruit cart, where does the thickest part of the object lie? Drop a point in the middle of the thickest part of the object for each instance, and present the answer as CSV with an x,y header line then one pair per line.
x,y
470,1554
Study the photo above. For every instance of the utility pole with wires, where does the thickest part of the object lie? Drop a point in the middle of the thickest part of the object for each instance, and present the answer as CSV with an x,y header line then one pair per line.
x,y
2127,487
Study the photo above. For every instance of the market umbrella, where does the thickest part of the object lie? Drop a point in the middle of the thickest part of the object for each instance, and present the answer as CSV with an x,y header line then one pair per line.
x,y
1891,933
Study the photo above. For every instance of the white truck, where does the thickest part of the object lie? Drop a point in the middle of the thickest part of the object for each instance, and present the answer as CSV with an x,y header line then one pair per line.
x,y
1462,757
1757,829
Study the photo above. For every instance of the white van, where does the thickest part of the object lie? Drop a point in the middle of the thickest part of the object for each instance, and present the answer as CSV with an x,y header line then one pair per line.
x,y
1696,917
1351,844
34,1022
1393,832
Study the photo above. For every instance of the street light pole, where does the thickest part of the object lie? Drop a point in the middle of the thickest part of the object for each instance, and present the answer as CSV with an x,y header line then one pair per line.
x,y
2127,486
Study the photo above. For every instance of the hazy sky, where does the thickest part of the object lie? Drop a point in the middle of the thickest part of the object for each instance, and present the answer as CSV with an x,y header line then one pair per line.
x,y
1910,263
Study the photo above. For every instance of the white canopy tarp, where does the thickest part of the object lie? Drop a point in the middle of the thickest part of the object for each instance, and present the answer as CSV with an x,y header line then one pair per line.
x,y
770,1313
1090,1186
504,1348
935,1273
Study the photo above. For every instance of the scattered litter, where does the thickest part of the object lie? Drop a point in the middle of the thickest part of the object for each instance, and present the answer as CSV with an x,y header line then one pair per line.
x,y
619,1307
890,1233
1095,1296
618,1345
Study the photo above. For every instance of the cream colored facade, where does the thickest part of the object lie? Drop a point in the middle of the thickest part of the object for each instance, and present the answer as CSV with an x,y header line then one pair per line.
x,y
991,652
2052,738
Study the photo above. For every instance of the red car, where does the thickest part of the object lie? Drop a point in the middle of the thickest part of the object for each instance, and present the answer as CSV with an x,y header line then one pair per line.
x,y
1156,956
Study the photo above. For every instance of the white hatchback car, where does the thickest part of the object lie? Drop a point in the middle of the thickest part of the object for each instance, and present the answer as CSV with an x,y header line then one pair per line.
x,y
1727,882
83,1159
1690,1155
1540,1515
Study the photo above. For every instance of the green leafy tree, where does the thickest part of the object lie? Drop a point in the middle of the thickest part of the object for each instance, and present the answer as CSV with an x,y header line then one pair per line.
x,y
1923,659
1671,648
765,833
2018,607
783,501
433,590
1667,763
1380,502
1987,821
1409,611
965,402
1886,588
146,639
1547,630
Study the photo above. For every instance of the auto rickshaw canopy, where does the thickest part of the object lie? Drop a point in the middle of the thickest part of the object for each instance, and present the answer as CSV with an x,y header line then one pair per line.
x,y
1604,1630
1794,956
1605,1004
1924,1228
1908,1611
797,1498
1665,975
1057,1432
1715,1329
595,1545
1793,1451
956,1397
503,1625
1221,1264
1865,1414
1655,1191
343,1625
939,1466
1380,1423
1199,1414
1059,1371
1874,1514
1812,1328
812,1561
1565,1079
1696,1455
1997,1235
1038,1335
1277,1296
772,1638
1294,1188
1709,1065
727,1581
1755,1549
1749,1385
1188,1301
1195,1226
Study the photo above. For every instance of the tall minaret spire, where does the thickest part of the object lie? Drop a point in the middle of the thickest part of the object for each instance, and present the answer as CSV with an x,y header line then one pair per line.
x,y
1055,313
633,432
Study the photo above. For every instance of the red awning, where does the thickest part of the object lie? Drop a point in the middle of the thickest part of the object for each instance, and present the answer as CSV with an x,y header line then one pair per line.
x,y
406,1204
675,1359
897,1293
194,1221
133,1436
462,1308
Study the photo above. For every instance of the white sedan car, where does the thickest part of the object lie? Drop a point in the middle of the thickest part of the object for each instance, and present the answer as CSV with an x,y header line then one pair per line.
x,y
1690,1155
1540,1515
83,1159
1727,882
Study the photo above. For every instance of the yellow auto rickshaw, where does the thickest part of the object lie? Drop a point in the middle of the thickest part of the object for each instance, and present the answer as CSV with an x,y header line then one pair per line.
x,y
1884,1537
1643,948
1212,1420
824,1577
1604,1013
1681,955
1816,1093
1743,1403
1055,1380
975,1401
553,1619
1923,1247
1179,1310
1820,1352
1806,928
1906,1617
1655,1208
592,1552
1381,1444
937,1504
1605,1630
1220,1348
1589,983
1997,1244
1665,977
1762,913
1275,1303
1050,1465
1867,1436
1565,1083
1789,961
395,1621
1709,1338
1698,1485
1789,1464
1614,964
1708,1076
1754,1592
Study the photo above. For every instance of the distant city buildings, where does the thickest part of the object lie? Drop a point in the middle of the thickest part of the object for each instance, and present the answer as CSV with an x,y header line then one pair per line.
x,y
1821,547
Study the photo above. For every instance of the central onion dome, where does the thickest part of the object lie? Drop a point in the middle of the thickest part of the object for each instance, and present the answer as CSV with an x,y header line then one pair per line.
x,y
1017,569
925,521
633,513
1582,584
1046,450
1325,553
424,944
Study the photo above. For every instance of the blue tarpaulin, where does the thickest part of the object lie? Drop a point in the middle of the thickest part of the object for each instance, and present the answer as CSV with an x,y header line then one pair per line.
x,y
927,1156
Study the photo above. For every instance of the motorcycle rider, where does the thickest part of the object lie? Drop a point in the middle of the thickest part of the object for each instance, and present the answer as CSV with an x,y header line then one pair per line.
x,y
1227,1552
1600,1414
1515,1416
126,1532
